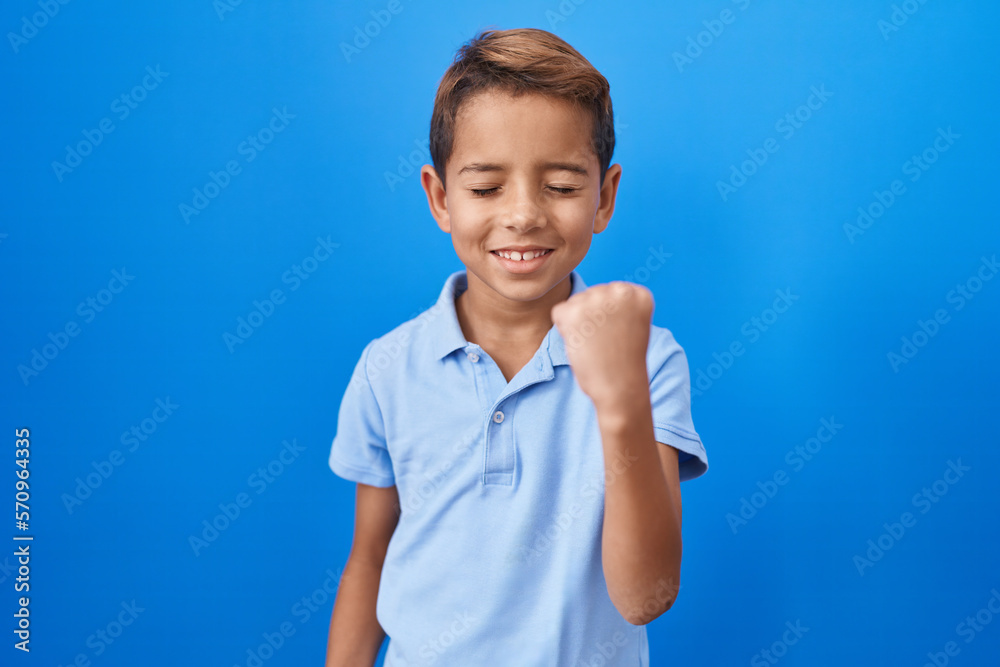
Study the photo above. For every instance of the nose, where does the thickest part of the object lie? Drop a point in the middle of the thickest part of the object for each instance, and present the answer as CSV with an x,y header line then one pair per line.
x,y
523,211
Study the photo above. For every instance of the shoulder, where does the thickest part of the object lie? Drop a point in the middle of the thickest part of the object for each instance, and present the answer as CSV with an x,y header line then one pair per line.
x,y
402,346
663,347
385,352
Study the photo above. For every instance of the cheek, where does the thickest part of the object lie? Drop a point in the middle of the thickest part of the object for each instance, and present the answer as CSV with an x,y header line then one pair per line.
x,y
575,223
464,236
577,212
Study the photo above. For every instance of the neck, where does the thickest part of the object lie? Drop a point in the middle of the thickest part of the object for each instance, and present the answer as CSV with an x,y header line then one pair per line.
x,y
487,316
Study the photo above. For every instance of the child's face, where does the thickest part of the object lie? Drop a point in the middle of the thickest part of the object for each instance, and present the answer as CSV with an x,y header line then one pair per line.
x,y
522,174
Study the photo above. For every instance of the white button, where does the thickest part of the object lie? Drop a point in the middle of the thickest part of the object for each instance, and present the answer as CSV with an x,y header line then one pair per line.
x,y
498,416
473,357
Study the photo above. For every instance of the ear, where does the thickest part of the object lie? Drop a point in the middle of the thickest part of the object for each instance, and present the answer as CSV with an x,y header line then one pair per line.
x,y
436,198
606,205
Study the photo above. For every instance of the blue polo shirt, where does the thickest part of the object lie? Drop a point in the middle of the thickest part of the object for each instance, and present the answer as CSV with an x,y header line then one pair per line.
x,y
496,559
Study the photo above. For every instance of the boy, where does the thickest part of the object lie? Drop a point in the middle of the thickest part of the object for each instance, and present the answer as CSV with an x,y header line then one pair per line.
x,y
518,447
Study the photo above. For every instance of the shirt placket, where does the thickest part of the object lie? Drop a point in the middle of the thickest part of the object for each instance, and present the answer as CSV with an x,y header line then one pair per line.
x,y
498,399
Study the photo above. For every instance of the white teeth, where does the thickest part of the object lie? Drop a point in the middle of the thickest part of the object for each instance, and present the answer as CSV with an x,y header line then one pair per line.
x,y
523,257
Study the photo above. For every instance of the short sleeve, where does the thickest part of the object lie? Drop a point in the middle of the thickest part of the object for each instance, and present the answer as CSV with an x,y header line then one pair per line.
x,y
359,452
670,394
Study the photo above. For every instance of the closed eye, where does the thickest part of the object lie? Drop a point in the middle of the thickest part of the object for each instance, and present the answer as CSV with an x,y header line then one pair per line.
x,y
488,191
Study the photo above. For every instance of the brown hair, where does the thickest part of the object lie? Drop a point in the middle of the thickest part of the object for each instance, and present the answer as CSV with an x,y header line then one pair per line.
x,y
519,61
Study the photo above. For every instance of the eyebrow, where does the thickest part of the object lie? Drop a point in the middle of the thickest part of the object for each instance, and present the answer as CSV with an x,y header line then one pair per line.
x,y
482,167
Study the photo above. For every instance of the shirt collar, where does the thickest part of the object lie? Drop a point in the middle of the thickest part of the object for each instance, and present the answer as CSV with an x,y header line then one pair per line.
x,y
446,333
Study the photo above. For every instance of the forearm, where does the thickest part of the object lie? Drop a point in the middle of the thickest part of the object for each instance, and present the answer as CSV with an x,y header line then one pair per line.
x,y
355,634
641,539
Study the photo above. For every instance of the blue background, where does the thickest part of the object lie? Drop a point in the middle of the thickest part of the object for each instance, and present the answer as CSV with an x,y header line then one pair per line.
x,y
681,126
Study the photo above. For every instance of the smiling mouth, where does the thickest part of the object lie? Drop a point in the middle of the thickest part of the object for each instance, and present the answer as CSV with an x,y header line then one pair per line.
x,y
525,256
